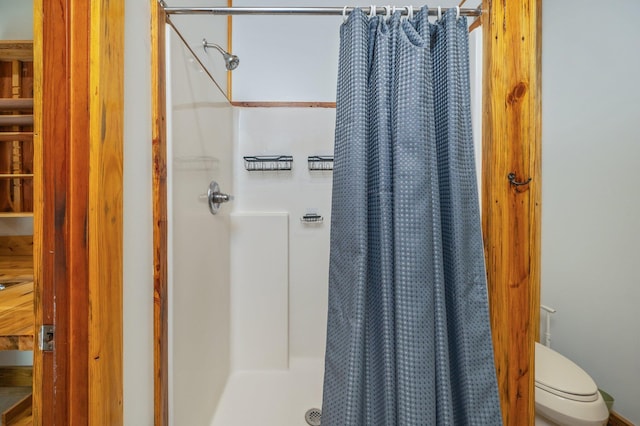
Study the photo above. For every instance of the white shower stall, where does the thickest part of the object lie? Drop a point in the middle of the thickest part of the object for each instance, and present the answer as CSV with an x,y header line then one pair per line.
x,y
248,286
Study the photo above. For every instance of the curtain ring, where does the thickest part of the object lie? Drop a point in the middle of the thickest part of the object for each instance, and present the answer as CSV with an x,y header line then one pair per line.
x,y
372,11
393,10
344,14
457,12
387,12
439,13
410,12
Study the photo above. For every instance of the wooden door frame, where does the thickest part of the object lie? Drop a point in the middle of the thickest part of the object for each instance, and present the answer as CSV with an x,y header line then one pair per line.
x,y
78,91
511,127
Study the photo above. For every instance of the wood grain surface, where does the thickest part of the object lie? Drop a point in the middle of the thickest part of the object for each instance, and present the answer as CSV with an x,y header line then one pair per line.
x,y
16,300
16,50
78,113
16,315
105,242
160,247
511,139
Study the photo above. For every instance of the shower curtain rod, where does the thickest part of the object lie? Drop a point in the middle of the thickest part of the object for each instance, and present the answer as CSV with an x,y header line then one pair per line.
x,y
324,11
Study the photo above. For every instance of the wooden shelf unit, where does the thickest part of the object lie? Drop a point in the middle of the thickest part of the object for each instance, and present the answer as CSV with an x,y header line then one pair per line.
x,y
17,323
15,396
16,128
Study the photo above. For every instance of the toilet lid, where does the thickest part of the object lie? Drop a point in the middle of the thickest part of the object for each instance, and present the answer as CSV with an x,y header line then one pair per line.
x,y
562,377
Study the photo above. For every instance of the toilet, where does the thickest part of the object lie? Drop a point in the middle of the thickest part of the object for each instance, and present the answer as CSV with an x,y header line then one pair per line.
x,y
565,394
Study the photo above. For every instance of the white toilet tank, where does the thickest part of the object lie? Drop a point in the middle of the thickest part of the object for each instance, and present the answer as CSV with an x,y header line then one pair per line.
x,y
565,394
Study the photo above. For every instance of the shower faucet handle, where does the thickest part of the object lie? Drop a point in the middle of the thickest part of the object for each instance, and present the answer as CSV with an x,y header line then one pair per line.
x,y
215,197
219,197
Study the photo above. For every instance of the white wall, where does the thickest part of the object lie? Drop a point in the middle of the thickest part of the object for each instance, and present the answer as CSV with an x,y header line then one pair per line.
x,y
16,226
285,58
299,132
291,58
16,20
591,203
138,260
201,143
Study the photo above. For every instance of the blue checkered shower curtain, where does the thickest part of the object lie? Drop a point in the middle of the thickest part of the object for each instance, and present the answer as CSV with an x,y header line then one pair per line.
x,y
408,337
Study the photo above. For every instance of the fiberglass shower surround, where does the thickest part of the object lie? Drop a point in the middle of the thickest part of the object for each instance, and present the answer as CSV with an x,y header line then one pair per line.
x,y
408,332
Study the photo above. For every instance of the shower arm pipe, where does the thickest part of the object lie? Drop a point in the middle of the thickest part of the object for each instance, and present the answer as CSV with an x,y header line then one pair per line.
x,y
208,45
323,11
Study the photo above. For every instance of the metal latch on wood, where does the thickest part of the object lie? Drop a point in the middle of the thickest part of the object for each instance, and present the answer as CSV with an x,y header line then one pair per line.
x,y
46,338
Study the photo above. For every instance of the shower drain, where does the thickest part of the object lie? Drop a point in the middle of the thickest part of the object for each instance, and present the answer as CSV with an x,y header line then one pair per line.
x,y
313,416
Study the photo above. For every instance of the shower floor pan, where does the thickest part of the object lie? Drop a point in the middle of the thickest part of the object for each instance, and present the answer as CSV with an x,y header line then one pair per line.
x,y
272,397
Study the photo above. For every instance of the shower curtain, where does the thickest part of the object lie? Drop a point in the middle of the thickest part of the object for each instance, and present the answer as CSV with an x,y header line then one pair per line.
x,y
408,336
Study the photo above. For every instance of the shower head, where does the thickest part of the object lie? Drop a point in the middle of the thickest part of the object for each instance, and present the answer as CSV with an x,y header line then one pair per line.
x,y
231,61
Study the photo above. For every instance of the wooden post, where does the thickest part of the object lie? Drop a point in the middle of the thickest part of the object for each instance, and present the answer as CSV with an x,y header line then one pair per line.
x,y
51,141
105,225
511,213
160,224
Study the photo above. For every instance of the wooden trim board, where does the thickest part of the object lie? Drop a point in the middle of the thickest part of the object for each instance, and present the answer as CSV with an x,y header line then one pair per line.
x,y
105,224
16,136
50,107
616,419
160,230
270,104
230,49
